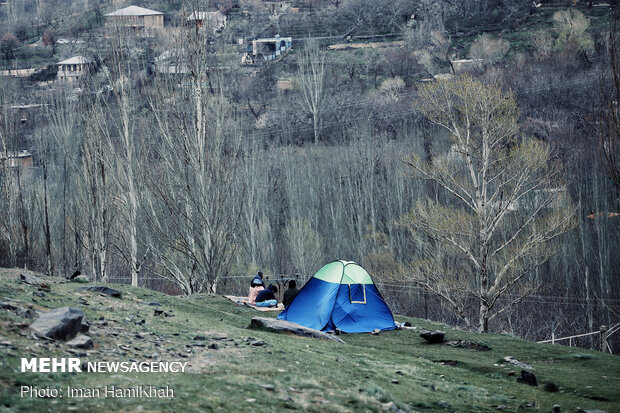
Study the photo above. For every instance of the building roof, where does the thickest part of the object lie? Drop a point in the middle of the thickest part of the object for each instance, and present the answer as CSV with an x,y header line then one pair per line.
x,y
134,11
15,154
75,60
272,39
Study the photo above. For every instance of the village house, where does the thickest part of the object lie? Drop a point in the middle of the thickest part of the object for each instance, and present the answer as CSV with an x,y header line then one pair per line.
x,y
277,7
260,51
215,20
140,21
171,62
70,70
16,159
465,65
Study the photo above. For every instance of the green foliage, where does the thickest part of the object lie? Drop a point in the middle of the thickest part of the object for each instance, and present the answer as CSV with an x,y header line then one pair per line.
x,y
572,28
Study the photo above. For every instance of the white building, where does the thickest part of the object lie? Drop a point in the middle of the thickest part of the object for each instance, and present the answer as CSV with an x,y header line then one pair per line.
x,y
214,20
71,69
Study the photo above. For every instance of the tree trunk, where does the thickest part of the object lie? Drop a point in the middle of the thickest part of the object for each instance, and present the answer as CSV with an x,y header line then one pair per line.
x,y
48,240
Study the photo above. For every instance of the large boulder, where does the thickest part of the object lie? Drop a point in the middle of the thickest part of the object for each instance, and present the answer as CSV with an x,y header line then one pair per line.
x,y
30,280
290,327
528,378
59,324
102,290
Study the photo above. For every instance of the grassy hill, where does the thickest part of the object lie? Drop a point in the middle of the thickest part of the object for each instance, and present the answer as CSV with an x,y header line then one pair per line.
x,y
393,371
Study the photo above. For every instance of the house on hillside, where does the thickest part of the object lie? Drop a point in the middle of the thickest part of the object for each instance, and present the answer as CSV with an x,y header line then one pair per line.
x,y
27,113
214,20
16,159
171,62
71,70
465,65
277,7
260,51
138,20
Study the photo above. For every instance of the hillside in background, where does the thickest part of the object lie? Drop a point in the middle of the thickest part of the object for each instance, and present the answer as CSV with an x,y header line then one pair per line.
x,y
233,368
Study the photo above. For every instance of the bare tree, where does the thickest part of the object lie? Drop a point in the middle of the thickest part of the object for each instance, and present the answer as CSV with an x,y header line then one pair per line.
x,y
488,49
61,117
196,197
311,78
96,189
392,87
572,28
304,245
8,193
501,190
543,42
610,114
116,122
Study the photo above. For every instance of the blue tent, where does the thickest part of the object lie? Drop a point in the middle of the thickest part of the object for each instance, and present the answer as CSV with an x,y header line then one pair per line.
x,y
340,295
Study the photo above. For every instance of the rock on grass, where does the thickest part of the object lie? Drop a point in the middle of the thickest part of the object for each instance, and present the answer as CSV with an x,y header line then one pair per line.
x,y
288,326
60,324
527,378
81,342
30,280
433,337
101,289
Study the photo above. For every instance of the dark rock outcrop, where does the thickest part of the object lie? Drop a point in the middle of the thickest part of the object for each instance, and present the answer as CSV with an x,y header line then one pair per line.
x,y
60,324
288,326
85,326
551,388
433,337
527,378
81,342
8,306
467,344
102,290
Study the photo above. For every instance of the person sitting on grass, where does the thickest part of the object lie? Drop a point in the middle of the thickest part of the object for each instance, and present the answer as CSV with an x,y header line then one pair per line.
x,y
256,286
258,279
290,293
267,298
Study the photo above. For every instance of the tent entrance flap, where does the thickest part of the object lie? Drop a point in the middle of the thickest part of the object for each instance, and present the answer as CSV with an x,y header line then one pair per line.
x,y
357,294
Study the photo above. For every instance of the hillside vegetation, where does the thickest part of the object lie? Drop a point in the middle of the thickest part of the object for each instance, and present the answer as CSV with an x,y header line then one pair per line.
x,y
233,368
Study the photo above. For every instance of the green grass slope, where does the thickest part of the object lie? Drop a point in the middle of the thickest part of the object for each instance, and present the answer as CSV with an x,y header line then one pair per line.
x,y
393,371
